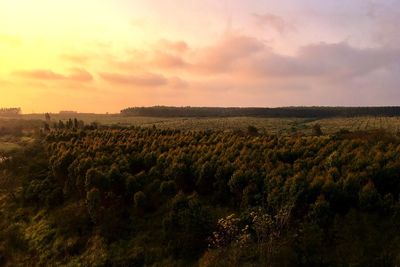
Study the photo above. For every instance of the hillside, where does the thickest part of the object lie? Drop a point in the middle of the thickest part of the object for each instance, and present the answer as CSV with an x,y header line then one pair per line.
x,y
152,197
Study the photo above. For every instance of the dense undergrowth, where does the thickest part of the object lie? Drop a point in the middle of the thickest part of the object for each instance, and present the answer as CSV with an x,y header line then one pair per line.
x,y
149,197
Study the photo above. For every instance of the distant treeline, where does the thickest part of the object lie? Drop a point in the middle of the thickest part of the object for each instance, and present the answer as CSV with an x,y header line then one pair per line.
x,y
300,112
10,111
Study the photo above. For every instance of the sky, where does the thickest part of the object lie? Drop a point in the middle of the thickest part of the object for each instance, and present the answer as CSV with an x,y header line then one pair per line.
x,y
105,55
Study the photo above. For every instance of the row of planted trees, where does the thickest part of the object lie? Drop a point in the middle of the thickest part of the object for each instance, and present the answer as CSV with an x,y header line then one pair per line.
x,y
222,198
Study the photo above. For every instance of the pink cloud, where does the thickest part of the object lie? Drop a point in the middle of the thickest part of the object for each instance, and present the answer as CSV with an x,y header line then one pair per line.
x,y
229,50
277,23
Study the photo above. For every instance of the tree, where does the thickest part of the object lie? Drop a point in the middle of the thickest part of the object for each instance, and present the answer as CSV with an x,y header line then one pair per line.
x,y
47,117
317,129
140,200
93,199
252,130
61,124
9,183
186,226
369,198
46,127
205,179
76,123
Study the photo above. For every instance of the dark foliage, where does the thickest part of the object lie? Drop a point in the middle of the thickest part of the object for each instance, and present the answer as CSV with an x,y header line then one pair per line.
x,y
148,195
299,112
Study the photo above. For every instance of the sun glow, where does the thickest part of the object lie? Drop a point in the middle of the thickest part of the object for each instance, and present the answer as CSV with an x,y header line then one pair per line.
x,y
76,54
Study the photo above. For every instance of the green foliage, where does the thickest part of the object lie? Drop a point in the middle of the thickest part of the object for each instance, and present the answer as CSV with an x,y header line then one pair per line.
x,y
158,197
186,226
317,129
252,130
95,178
168,188
93,199
140,200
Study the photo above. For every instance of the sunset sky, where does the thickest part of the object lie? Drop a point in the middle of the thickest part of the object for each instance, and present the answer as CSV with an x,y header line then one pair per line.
x,y
105,55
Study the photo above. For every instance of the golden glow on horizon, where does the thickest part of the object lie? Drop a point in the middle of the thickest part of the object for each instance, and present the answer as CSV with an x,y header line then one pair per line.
x,y
49,36
44,29
92,55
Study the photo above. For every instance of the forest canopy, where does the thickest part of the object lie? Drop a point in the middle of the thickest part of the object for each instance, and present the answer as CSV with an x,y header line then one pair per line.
x,y
146,196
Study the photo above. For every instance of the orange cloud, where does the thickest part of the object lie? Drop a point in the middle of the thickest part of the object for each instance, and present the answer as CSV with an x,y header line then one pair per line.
x,y
76,58
165,60
145,79
80,75
77,75
178,83
40,75
177,46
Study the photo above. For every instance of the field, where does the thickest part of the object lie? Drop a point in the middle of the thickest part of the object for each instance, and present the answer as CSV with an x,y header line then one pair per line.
x,y
267,125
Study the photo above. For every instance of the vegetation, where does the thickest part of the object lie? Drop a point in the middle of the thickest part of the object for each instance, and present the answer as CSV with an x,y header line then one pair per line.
x,y
7,146
109,196
285,126
299,112
10,111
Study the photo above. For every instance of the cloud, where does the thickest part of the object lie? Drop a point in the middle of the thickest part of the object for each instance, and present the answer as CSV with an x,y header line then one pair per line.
x,y
268,20
76,58
178,83
385,18
80,75
372,8
319,73
239,55
243,70
328,61
176,46
40,75
166,60
228,51
145,79
343,60
76,75
139,60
